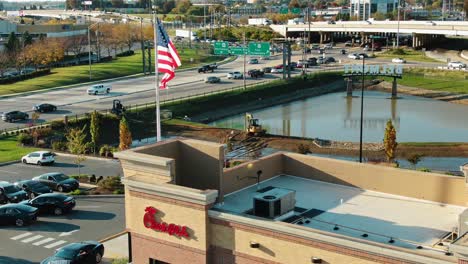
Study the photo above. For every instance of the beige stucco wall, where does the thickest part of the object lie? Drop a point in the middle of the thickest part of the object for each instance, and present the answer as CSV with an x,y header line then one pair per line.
x,y
194,219
274,249
428,186
235,178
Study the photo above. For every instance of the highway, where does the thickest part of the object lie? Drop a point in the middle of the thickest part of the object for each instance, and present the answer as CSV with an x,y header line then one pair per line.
x,y
141,90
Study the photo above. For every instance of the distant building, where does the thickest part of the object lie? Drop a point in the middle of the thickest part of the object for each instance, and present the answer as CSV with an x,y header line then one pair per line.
x,y
6,27
364,8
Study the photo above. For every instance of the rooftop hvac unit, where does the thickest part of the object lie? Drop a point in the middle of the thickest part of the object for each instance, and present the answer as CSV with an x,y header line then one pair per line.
x,y
274,203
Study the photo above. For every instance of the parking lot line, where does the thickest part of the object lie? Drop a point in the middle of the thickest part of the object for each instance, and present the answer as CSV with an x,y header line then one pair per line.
x,y
27,240
21,236
43,241
55,244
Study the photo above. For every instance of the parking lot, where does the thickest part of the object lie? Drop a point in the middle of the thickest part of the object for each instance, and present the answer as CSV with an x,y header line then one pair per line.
x,y
91,219
64,164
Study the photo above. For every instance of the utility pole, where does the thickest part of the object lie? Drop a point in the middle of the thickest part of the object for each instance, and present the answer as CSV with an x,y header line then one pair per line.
x,y
398,27
245,57
204,22
303,53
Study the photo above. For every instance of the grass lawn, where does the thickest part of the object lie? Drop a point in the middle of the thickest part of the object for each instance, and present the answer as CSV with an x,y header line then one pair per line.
x,y
407,54
121,66
438,80
10,150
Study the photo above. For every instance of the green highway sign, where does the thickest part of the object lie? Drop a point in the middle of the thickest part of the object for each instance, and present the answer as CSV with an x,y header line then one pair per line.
x,y
296,10
221,48
284,10
238,50
259,48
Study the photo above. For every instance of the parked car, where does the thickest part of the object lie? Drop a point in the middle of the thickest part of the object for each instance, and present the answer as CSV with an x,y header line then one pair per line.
x,y
348,43
293,65
10,193
255,73
315,46
266,69
43,108
85,252
33,188
99,89
39,157
253,61
343,51
14,115
52,203
17,214
456,64
206,68
212,79
325,60
398,60
235,75
328,46
353,56
303,64
58,181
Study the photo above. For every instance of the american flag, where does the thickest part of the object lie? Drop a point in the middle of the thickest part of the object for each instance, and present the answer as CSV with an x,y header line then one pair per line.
x,y
168,58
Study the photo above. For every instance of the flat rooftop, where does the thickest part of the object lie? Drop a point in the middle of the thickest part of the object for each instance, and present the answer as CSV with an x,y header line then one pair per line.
x,y
383,217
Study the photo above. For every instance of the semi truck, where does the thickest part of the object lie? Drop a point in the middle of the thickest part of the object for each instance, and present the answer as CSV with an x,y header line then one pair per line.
x,y
186,34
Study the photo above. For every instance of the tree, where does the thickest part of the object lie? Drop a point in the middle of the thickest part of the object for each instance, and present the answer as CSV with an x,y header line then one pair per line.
x,y
294,4
378,16
5,62
168,6
126,35
125,135
390,143
27,39
71,4
13,45
117,3
76,45
181,7
414,159
95,129
77,145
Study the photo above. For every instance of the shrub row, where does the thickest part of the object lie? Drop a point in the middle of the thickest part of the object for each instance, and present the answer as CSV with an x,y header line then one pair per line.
x,y
126,53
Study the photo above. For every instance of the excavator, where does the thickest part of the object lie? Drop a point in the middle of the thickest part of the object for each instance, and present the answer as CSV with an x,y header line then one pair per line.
x,y
252,126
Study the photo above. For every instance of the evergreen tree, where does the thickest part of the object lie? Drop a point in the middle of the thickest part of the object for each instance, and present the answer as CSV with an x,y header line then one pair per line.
x,y
27,39
125,134
12,46
390,143
95,129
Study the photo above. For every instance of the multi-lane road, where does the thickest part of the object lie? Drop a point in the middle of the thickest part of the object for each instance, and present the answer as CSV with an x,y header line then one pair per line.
x,y
74,101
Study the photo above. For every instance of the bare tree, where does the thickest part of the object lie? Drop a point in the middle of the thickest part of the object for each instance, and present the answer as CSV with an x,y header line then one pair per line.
x,y
5,62
76,45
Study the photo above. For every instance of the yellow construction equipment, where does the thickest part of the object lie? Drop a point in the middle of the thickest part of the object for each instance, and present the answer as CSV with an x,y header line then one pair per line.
x,y
252,126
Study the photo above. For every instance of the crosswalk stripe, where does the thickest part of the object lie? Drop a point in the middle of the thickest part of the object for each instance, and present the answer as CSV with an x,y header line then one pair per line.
x,y
60,242
27,240
43,241
21,236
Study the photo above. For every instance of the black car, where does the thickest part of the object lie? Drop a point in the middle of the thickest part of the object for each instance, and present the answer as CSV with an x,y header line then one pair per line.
x,y
255,73
52,203
33,188
43,108
14,115
267,70
11,193
363,55
58,181
86,252
17,214
206,68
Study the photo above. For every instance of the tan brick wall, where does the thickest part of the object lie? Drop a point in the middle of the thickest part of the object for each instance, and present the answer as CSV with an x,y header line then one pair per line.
x,y
428,186
145,247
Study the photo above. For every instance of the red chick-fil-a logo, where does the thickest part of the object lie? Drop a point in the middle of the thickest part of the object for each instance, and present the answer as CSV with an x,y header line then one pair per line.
x,y
150,222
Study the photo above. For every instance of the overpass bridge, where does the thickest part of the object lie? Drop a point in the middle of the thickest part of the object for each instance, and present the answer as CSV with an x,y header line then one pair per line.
x,y
423,32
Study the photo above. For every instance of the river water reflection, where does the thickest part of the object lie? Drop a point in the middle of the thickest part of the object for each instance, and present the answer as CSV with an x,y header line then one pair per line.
x,y
336,117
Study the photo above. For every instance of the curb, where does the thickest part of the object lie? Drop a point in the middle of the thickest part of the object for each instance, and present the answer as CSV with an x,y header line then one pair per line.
x,y
63,154
98,196
113,236
9,163
133,76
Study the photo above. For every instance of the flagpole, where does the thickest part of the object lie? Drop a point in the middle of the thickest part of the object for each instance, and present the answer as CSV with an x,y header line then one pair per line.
x,y
156,70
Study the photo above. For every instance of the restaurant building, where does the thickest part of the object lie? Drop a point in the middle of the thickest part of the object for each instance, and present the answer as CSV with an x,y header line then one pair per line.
x,y
183,206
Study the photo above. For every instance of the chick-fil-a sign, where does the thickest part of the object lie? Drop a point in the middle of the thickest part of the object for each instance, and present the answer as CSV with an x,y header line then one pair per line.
x,y
150,222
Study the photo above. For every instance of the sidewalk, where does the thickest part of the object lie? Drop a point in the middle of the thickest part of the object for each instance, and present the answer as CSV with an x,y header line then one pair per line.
x,y
115,248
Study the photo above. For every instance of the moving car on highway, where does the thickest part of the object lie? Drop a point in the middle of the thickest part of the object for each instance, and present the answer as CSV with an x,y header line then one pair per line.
x,y
398,60
43,108
39,158
14,116
456,64
255,73
52,203
33,188
266,69
206,68
353,56
85,252
58,181
17,214
253,61
212,79
235,75
99,89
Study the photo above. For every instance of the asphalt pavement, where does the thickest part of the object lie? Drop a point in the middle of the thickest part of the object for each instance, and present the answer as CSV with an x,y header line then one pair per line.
x,y
99,167
91,219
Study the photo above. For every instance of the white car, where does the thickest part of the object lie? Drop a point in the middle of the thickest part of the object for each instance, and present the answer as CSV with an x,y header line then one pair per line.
x,y
99,89
39,158
353,56
277,70
235,75
456,64
398,60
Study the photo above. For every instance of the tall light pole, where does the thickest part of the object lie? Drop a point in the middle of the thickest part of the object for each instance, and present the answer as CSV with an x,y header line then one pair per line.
x,y
362,110
89,48
398,27
245,55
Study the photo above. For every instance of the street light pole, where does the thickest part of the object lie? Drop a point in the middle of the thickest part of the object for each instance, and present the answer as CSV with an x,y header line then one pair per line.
x,y
245,55
398,26
362,111
89,52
